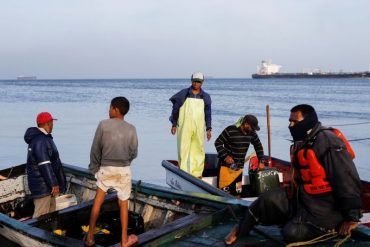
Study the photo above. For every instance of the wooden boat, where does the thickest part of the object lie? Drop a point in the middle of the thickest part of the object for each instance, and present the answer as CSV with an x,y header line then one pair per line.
x,y
181,180
158,215
178,179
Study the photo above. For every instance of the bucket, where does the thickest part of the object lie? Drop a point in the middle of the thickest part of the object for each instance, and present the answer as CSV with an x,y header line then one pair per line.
x,y
65,201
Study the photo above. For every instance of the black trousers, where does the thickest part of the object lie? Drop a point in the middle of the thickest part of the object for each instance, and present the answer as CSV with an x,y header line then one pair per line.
x,y
274,208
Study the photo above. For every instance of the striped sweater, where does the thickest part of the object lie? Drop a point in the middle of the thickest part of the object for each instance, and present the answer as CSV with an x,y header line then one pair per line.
x,y
232,141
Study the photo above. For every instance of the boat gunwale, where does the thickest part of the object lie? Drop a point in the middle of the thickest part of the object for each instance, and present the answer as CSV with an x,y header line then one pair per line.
x,y
29,229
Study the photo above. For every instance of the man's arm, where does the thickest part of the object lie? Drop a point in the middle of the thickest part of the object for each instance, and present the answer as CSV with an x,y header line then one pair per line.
x,y
43,152
133,144
345,181
96,150
220,142
258,147
208,111
177,101
347,227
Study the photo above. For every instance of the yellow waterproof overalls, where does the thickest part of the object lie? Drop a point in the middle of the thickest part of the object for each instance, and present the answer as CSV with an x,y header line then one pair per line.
x,y
190,136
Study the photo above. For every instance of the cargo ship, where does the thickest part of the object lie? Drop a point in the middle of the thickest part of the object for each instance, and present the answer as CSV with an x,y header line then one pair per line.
x,y
26,78
268,70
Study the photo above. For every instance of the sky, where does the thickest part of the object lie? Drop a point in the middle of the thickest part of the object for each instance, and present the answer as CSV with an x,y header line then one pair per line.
x,y
83,39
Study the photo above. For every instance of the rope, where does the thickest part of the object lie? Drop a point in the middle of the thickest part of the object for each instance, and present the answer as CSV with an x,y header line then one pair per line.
x,y
322,238
233,213
361,139
319,239
349,124
340,242
350,140
10,172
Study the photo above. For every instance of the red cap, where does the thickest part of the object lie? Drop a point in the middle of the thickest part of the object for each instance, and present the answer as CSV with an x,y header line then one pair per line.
x,y
44,117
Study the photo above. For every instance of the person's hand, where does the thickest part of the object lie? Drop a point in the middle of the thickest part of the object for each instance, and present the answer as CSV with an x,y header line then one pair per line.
x,y
261,166
55,190
209,135
347,227
229,160
173,130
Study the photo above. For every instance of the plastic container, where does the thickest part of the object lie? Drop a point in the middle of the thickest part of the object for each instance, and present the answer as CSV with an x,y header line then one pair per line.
x,y
65,201
263,180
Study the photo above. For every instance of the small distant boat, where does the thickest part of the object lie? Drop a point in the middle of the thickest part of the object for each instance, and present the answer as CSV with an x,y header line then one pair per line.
x,y
26,78
268,70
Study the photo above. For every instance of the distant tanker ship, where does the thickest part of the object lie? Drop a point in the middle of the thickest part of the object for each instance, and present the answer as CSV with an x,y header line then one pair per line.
x,y
26,78
268,70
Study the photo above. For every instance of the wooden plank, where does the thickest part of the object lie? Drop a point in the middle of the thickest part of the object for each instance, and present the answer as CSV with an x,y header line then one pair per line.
x,y
186,226
153,234
165,205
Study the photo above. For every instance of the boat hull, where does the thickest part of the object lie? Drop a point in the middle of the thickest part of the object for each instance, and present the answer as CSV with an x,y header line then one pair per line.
x,y
163,219
181,180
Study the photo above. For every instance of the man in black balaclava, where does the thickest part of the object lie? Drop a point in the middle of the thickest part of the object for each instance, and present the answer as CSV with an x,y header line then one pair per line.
x,y
327,188
304,118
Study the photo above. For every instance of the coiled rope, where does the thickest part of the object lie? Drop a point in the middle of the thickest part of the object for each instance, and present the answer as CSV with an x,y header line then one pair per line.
x,y
322,238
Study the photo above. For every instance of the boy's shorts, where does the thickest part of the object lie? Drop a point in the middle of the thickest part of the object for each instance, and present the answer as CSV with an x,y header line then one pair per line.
x,y
118,178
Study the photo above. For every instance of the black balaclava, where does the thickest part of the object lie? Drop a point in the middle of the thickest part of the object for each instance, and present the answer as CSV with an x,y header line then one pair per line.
x,y
299,130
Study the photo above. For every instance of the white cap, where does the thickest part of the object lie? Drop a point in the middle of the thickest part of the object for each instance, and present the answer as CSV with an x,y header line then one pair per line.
x,y
197,76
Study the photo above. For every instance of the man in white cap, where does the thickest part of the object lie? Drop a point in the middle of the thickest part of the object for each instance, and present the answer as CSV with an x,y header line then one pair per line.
x,y
191,116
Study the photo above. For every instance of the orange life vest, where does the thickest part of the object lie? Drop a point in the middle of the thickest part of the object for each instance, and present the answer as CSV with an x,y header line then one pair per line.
x,y
346,142
312,172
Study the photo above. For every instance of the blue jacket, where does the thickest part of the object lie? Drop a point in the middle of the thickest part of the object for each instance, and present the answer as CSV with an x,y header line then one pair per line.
x,y
179,98
44,168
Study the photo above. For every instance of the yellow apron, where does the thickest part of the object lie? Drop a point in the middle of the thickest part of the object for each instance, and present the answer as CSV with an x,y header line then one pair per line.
x,y
190,136
227,176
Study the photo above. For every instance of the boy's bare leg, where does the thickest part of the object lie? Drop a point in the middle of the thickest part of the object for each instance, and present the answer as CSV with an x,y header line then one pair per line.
x,y
123,207
98,201
126,241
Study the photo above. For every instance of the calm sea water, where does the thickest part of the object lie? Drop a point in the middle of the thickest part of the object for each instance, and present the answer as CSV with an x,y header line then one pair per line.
x,y
80,104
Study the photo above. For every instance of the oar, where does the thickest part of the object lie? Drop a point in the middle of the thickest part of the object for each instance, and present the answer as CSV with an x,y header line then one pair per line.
x,y
268,134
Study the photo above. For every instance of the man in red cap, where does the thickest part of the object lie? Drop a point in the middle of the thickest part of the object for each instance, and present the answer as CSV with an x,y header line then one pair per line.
x,y
46,178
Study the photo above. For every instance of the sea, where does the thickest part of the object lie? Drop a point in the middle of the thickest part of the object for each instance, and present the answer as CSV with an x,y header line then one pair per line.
x,y
79,105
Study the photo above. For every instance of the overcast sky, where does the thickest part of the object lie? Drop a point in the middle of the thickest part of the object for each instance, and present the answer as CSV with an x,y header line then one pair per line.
x,y
172,39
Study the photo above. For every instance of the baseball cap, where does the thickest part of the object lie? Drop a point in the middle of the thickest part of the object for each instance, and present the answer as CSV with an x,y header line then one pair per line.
x,y
44,117
197,76
252,121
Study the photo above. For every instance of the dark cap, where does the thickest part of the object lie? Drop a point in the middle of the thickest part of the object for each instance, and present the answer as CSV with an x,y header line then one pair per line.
x,y
252,121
